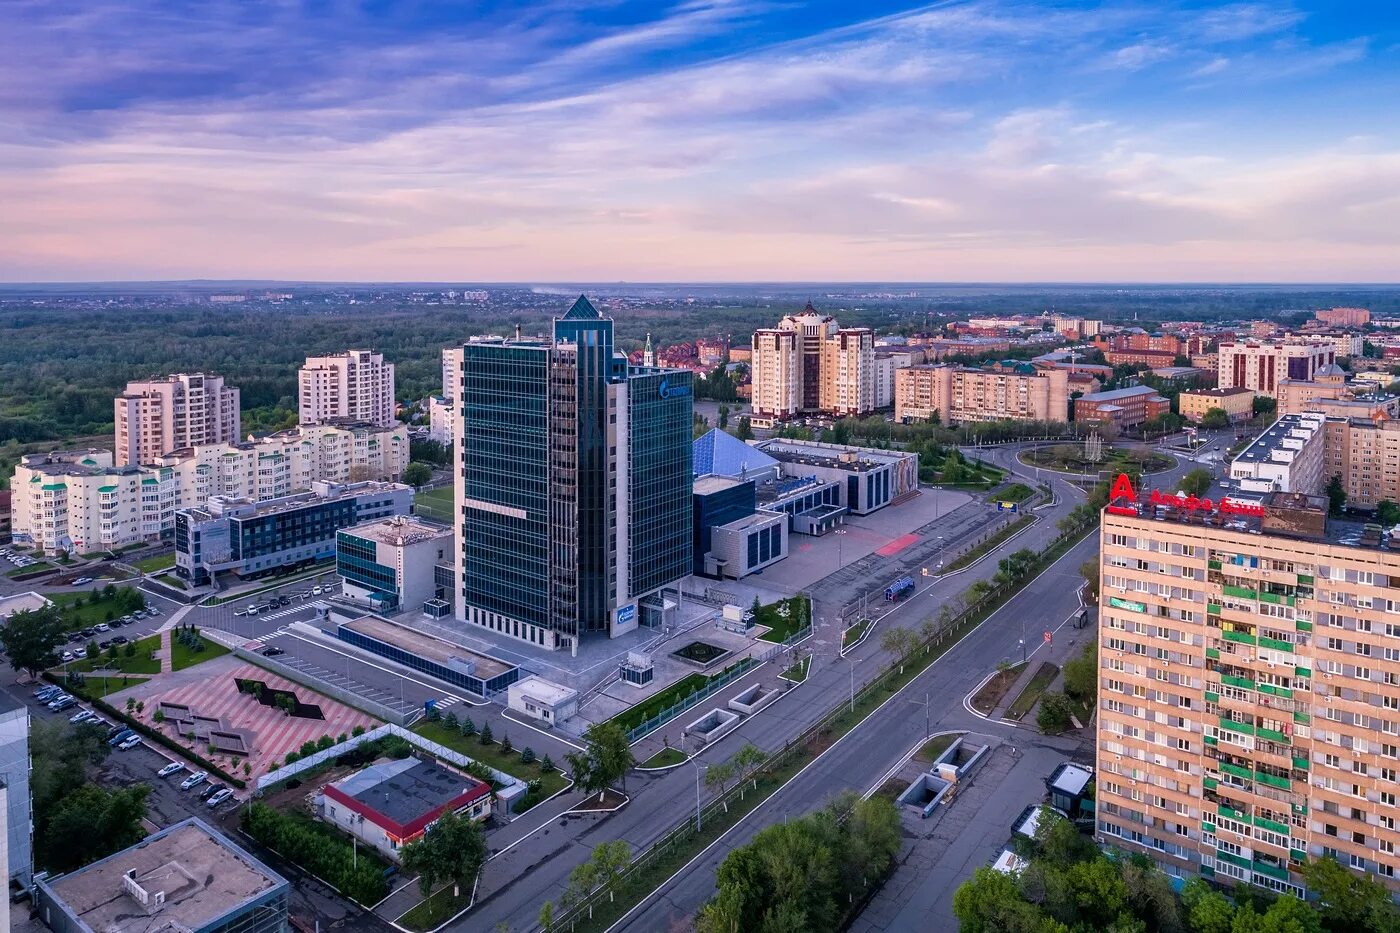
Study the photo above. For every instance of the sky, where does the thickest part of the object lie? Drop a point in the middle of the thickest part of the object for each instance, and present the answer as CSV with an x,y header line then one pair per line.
x,y
700,140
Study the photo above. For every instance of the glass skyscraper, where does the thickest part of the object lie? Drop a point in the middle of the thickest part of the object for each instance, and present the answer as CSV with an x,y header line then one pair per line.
x,y
573,486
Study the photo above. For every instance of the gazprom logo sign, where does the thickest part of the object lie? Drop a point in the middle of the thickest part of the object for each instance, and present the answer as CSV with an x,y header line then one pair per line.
x,y
666,390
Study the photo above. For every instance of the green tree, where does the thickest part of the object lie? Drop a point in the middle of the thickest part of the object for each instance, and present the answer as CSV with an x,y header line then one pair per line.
x,y
1264,407
417,474
1387,513
900,642
746,761
717,778
604,760
30,638
1349,900
1196,483
1336,495
453,850
1082,674
1054,714
89,823
723,417
547,917
745,432
1089,570
1215,418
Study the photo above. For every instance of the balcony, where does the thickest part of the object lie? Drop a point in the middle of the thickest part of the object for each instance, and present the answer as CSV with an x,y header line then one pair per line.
x,y
1273,781
1280,828
1270,869
1276,644
1241,727
1242,638
1239,592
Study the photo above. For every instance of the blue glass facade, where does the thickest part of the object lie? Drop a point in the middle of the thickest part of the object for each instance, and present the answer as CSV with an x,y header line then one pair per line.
x,y
356,561
659,476
718,508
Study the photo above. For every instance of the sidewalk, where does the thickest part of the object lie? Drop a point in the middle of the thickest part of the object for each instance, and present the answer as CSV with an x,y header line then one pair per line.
x,y
1065,646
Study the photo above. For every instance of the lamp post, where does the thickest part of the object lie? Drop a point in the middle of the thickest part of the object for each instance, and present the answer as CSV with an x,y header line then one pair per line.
x,y
840,547
852,662
698,768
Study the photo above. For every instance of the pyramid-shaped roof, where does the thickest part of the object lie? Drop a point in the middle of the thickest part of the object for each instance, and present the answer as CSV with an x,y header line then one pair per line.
x,y
583,310
725,455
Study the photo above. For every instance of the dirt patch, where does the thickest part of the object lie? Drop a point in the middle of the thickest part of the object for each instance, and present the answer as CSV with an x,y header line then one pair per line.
x,y
992,692
891,789
819,743
611,801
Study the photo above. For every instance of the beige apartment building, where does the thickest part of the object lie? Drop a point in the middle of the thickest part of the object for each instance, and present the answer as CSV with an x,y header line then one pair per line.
x,y
1260,365
1237,403
1249,692
356,385
159,415
809,364
81,500
961,394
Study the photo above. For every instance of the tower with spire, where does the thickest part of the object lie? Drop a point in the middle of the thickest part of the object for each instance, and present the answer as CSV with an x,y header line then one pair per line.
x,y
648,354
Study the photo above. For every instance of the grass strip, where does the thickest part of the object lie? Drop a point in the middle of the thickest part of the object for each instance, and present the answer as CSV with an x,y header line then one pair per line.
x,y
991,544
853,634
664,759
551,782
798,672
182,656
152,564
1040,680
436,909
937,746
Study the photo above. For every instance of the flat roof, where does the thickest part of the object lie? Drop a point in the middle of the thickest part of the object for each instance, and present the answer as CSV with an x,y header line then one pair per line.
x,y
546,691
400,530
837,456
1071,778
427,646
1219,393
1277,435
21,602
761,517
203,875
407,790
1114,395
712,482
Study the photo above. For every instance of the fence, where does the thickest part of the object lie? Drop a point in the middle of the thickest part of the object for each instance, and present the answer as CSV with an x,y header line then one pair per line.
x,y
349,698
723,679
684,831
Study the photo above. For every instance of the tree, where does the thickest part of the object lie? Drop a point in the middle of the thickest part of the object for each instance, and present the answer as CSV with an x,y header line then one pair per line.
x,y
723,417
746,762
605,758
417,474
745,432
1196,483
610,860
900,642
485,737
89,823
1082,674
547,917
1387,512
1264,407
1336,495
1054,715
717,778
454,850
1349,900
30,639
1089,570
1215,418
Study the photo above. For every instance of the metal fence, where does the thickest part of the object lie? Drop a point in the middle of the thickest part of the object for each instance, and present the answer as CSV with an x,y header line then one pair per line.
x,y
722,679
684,831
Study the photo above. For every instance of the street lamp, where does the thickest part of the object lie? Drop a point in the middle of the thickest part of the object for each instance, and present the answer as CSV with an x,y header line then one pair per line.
x,y
698,768
840,542
852,662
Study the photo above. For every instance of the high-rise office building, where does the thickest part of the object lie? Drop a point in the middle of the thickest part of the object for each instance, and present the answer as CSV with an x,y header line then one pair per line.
x,y
1249,688
573,484
159,415
356,385
809,364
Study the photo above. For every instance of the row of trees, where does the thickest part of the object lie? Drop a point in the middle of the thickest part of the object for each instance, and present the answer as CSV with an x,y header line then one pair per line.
x,y
808,874
75,820
316,850
1071,885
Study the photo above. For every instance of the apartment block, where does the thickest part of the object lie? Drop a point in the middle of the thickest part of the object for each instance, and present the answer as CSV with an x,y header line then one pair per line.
x,y
1295,395
80,500
1288,457
1122,408
1260,365
1344,317
156,416
962,394
1249,689
809,364
356,385
451,374
1238,403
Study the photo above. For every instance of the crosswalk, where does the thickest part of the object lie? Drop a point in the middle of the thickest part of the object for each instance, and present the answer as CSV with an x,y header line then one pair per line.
x,y
267,637
287,610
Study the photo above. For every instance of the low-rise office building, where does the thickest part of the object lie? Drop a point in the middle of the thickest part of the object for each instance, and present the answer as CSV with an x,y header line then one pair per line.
x,y
251,539
1121,408
393,803
185,877
542,699
747,545
448,661
391,564
1288,457
868,479
1237,403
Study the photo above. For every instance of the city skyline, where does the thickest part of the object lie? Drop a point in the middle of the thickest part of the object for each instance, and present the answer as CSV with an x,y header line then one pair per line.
x,y
701,141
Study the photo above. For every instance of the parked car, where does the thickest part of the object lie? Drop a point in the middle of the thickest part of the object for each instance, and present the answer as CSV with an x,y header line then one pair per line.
x,y
272,651
89,632
153,611
66,656
82,581
170,769
317,590
211,789
252,610
219,797
102,627
62,704
42,692
193,780
131,742
79,716
120,736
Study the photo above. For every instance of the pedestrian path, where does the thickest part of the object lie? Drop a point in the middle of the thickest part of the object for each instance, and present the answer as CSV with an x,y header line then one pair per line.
x,y
164,653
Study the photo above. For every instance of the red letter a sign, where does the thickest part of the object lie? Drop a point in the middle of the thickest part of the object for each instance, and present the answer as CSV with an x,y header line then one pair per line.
x,y
1122,489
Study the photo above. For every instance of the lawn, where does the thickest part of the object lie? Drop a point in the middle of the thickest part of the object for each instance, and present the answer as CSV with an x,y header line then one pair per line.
x,y
936,746
551,782
141,663
991,544
1069,458
34,568
798,672
993,690
435,910
854,633
95,609
102,686
634,716
782,627
435,504
152,564
664,759
181,656
1016,492
1042,678
169,579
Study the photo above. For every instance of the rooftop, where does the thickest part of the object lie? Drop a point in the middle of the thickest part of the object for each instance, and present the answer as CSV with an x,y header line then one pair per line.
x,y
831,456
1114,395
725,455
546,691
780,489
401,530
408,791
712,483
761,517
321,493
1289,432
1071,779
428,647
1218,393
202,875
21,602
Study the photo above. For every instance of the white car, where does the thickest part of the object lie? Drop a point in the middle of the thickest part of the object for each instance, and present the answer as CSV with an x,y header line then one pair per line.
x,y
317,590
132,742
66,656
196,778
80,716
170,769
219,796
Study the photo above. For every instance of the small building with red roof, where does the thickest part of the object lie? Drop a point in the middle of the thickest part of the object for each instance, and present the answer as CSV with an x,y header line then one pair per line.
x,y
392,803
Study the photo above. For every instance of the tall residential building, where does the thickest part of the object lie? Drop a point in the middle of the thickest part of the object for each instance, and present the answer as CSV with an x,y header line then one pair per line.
x,y
1344,317
1249,689
808,364
356,385
81,500
961,394
157,416
451,375
1261,365
573,484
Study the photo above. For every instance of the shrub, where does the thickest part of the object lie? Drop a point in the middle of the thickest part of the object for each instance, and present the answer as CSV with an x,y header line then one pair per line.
x,y
324,856
1054,715
527,755
547,763
292,757
307,748
506,747
450,720
159,716
358,731
324,742
486,736
468,727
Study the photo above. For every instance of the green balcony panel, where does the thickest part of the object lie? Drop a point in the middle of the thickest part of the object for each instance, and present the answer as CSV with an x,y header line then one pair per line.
x,y
1213,653
1208,827
1280,828
1239,592
1274,871
1229,811
1276,691
1243,638
1212,697
1271,598
1276,644
1275,736
1212,609
1239,860
1281,783
1302,626
1302,671
1236,770
1213,564
1306,580
1234,681
1246,728
1298,855
1300,763
1303,718
1210,783
1207,871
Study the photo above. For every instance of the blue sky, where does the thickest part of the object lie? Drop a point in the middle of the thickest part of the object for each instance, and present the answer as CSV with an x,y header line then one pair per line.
x,y
700,140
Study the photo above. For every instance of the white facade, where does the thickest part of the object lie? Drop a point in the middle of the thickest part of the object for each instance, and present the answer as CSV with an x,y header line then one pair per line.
x,y
452,374
404,548
542,699
440,415
1288,457
15,820
356,385
79,500
809,364
182,410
